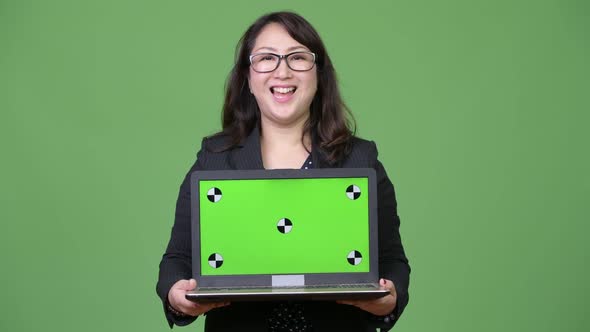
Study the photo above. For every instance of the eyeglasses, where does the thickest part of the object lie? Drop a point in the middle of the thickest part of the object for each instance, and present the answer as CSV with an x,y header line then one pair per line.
x,y
267,62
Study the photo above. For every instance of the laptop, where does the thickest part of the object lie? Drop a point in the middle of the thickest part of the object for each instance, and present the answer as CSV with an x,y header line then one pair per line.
x,y
285,234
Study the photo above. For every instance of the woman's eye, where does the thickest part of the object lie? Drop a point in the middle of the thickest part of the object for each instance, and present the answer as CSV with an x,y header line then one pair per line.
x,y
299,57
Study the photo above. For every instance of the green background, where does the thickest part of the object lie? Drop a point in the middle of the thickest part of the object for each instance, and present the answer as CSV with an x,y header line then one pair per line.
x,y
242,226
479,108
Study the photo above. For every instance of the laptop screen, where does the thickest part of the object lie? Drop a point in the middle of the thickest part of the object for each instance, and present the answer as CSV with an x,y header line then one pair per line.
x,y
255,223
284,226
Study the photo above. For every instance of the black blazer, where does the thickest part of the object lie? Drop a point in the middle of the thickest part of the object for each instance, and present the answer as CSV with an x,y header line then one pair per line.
x,y
325,316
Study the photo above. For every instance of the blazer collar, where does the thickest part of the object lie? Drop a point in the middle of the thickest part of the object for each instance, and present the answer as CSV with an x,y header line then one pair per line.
x,y
249,154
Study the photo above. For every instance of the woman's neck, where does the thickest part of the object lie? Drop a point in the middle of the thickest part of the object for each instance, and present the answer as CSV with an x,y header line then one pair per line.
x,y
285,136
282,147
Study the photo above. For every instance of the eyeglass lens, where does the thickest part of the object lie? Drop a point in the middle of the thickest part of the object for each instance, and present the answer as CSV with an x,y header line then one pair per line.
x,y
267,62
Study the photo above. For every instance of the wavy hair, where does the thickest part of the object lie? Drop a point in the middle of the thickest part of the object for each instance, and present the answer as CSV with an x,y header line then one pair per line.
x,y
330,125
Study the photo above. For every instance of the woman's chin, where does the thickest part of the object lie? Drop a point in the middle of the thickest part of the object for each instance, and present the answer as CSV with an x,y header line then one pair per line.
x,y
287,118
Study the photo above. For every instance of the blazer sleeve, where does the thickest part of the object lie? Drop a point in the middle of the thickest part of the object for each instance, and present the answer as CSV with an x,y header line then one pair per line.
x,y
176,261
393,263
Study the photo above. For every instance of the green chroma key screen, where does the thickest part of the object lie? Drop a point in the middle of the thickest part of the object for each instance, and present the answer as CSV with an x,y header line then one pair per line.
x,y
284,226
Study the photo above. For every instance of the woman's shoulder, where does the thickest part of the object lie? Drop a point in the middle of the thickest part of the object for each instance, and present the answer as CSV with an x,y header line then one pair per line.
x,y
213,153
361,143
363,146
216,143
363,152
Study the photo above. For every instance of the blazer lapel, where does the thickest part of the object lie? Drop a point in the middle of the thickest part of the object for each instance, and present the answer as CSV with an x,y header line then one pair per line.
x,y
318,157
248,154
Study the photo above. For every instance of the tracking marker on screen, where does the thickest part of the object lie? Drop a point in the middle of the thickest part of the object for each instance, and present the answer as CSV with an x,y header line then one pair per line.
x,y
215,260
353,192
284,225
214,195
354,257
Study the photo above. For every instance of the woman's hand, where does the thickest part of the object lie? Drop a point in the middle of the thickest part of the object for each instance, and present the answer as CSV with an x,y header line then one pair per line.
x,y
176,298
381,306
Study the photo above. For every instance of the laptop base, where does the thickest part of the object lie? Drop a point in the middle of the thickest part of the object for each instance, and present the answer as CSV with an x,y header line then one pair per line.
x,y
325,293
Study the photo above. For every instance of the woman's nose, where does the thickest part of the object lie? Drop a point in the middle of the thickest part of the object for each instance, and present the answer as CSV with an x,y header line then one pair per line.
x,y
283,70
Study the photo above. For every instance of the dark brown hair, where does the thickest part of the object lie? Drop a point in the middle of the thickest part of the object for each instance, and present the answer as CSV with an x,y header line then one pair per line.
x,y
330,124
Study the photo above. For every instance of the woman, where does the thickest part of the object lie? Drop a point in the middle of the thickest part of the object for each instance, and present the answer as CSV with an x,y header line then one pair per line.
x,y
283,110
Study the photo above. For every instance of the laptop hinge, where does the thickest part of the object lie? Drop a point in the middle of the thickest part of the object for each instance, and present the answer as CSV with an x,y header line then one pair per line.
x,y
288,280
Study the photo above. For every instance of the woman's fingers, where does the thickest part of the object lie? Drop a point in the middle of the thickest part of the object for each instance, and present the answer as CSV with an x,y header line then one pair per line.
x,y
177,299
380,306
195,309
349,302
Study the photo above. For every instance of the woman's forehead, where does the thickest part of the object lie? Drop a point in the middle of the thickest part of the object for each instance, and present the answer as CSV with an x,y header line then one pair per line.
x,y
275,38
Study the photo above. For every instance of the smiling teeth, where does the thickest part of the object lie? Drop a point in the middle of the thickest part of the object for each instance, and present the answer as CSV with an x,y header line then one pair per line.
x,y
284,90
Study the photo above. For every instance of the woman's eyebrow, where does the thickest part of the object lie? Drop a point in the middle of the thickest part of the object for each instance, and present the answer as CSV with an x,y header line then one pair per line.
x,y
272,49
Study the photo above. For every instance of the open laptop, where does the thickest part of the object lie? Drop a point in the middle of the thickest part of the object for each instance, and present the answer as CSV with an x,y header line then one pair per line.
x,y
284,235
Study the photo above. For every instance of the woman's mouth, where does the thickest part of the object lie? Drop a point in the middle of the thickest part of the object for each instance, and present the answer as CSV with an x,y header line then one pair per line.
x,y
282,94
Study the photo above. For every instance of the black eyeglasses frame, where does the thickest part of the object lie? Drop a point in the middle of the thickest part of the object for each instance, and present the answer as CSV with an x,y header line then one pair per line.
x,y
281,57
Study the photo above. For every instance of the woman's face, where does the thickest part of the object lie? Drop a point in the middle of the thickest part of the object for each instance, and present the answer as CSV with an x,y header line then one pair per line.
x,y
284,96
